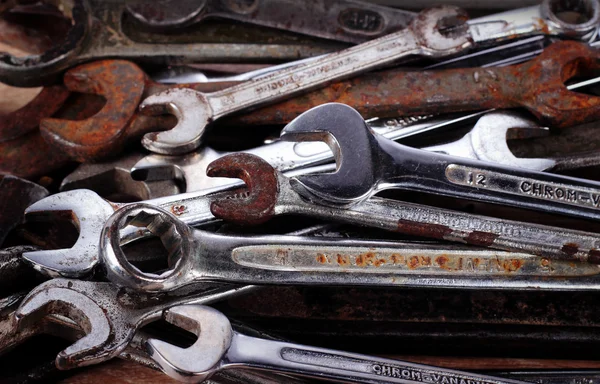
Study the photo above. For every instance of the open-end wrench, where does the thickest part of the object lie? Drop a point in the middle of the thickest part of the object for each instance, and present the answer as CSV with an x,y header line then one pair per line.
x,y
368,163
199,256
487,141
270,194
97,33
220,347
113,177
351,21
537,85
108,315
420,38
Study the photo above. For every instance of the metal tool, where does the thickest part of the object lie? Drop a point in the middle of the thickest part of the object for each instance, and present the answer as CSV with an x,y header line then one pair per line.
x,y
537,85
420,38
487,141
97,33
27,118
108,315
367,164
113,177
198,257
342,20
220,347
270,194
16,195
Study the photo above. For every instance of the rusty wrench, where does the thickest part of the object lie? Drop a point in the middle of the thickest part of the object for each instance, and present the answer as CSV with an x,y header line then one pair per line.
x,y
367,164
351,21
270,194
537,85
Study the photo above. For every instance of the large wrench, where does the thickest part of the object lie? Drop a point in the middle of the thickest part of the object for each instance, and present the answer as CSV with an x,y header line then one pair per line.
x,y
351,21
367,164
220,347
199,256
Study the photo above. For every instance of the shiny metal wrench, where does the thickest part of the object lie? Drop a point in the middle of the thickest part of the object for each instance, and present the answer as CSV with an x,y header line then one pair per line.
x,y
367,164
220,347
199,256
270,194
421,37
341,20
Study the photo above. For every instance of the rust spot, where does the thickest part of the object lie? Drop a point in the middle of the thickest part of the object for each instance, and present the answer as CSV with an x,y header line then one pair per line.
x,y
365,259
513,265
321,258
570,248
414,228
397,258
594,256
343,260
178,209
483,239
442,261
413,262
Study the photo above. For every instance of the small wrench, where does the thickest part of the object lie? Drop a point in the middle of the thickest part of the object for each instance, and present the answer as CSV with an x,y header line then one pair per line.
x,y
270,194
198,257
97,33
487,141
367,164
220,347
342,20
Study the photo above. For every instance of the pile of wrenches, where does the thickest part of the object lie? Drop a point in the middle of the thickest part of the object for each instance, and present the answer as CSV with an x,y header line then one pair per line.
x,y
208,187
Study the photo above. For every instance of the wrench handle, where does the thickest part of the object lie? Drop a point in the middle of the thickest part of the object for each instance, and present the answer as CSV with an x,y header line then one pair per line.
x,y
341,366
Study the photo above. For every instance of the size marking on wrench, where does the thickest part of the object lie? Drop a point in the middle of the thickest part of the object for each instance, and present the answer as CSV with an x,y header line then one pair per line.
x,y
523,186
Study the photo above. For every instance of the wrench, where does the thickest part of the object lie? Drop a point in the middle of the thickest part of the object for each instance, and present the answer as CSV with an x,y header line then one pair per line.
x,y
97,33
270,194
420,38
199,257
342,20
108,315
384,164
220,347
537,85
487,142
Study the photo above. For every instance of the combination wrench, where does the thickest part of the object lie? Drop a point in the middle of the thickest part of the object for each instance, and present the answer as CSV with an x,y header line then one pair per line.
x,y
367,164
198,257
350,21
219,347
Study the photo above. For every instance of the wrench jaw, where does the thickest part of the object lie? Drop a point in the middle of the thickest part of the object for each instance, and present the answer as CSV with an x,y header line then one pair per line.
x,y
355,149
202,359
173,233
258,204
45,69
122,85
47,299
88,212
488,140
426,27
193,113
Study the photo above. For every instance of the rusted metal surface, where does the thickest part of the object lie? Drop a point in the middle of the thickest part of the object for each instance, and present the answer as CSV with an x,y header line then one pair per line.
x,y
123,84
537,85
15,196
16,273
27,119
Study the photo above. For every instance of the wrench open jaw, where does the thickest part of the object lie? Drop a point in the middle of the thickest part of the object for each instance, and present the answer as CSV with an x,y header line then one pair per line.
x,y
122,85
88,212
108,315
